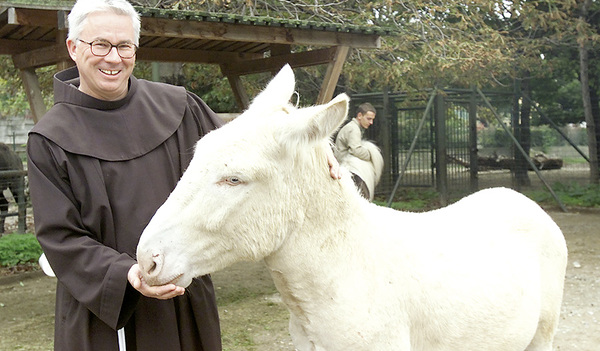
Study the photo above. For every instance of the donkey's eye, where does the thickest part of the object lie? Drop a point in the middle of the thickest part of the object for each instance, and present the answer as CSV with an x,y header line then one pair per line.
x,y
231,180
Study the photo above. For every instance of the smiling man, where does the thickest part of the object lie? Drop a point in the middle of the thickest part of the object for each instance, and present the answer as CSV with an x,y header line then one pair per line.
x,y
101,161
104,67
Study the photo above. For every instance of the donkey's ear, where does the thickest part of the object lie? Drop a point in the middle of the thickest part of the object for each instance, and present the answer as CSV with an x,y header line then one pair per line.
x,y
316,123
331,116
278,92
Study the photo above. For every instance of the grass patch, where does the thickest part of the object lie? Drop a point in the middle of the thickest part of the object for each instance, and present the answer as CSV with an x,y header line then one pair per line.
x,y
413,200
572,194
574,160
16,249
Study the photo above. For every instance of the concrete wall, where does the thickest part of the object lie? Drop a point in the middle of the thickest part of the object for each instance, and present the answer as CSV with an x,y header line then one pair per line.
x,y
13,131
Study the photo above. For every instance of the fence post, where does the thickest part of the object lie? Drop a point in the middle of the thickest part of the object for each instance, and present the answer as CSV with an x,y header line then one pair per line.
x,y
441,162
473,152
384,139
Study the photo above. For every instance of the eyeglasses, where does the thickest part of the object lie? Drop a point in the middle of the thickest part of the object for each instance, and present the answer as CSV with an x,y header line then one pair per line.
x,y
102,48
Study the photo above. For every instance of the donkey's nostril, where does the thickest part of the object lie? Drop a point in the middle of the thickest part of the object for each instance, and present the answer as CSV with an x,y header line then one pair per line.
x,y
150,264
152,267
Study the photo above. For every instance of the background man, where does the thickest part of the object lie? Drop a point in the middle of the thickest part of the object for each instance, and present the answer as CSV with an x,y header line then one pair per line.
x,y
349,140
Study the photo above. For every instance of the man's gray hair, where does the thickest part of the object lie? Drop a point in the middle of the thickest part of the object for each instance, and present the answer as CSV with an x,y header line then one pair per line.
x,y
82,8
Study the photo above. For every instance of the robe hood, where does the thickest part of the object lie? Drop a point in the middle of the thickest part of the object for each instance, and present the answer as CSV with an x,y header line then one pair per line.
x,y
87,126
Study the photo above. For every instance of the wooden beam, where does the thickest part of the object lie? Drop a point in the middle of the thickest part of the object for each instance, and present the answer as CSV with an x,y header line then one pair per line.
x,y
274,63
162,27
195,56
332,75
239,92
280,49
34,93
46,56
30,17
13,47
6,20
49,55
61,39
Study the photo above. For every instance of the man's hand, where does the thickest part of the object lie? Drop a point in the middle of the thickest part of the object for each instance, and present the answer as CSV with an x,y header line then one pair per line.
x,y
334,165
161,292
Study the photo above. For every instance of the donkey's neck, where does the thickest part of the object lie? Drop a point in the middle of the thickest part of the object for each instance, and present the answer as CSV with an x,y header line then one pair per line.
x,y
302,267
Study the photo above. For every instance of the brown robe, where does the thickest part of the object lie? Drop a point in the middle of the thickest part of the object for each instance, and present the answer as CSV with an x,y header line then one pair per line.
x,y
98,170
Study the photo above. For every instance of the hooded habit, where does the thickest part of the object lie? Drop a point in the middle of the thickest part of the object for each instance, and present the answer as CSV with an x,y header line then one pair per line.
x,y
98,170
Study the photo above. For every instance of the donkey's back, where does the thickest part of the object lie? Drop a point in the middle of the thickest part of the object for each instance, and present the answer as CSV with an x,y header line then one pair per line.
x,y
485,273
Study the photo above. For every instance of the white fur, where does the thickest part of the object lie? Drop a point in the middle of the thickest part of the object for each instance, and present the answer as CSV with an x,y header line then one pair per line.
x,y
356,276
369,171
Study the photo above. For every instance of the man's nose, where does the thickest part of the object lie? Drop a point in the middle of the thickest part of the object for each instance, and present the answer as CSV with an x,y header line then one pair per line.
x,y
113,55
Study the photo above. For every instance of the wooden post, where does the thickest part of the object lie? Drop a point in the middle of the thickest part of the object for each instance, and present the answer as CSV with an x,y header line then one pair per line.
x,y
334,69
61,38
239,92
34,93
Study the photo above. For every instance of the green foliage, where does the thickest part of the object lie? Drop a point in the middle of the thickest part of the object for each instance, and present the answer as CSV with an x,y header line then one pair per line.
x,y
18,249
560,100
542,137
12,95
493,137
13,100
572,194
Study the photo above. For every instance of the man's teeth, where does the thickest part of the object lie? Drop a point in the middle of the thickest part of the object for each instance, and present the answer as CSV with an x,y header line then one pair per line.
x,y
112,73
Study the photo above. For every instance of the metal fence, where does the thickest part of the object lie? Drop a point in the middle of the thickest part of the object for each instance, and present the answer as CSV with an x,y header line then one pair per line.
x,y
437,140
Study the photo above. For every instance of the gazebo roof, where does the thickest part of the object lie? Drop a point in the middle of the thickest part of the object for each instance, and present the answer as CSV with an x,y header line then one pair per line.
x,y
30,31
34,33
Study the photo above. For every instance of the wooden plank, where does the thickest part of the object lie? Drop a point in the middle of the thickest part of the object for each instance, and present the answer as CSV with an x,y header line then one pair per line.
x,y
236,32
34,93
280,49
61,38
239,92
33,17
43,5
194,56
13,47
274,63
334,69
41,57
6,16
56,53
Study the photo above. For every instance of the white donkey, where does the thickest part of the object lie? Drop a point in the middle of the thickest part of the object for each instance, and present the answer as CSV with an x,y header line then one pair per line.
x,y
353,275
368,171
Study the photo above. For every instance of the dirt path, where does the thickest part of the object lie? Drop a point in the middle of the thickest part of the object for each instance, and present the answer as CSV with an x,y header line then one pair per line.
x,y
253,317
579,327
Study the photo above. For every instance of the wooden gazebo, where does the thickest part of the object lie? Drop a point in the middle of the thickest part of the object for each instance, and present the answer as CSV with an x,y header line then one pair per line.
x,y
34,34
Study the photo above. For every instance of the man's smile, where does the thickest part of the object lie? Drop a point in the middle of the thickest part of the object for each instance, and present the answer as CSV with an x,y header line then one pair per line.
x,y
110,72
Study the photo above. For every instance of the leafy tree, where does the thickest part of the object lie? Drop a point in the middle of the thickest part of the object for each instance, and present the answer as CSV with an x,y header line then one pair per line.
x,y
438,43
13,99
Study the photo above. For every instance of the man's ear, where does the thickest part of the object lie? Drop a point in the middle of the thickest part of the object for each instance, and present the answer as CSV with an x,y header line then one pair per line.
x,y
72,48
